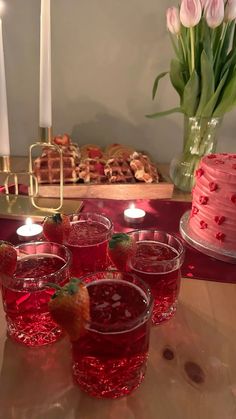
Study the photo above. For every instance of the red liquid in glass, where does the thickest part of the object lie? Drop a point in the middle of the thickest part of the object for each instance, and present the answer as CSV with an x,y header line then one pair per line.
x,y
162,278
110,359
26,306
88,242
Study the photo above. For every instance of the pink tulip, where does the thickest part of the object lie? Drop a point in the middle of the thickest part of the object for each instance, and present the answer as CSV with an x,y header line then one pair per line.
x,y
230,10
190,12
172,20
214,13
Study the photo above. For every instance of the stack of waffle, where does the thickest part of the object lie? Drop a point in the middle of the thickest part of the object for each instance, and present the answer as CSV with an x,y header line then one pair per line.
x,y
47,166
118,170
116,164
91,167
143,169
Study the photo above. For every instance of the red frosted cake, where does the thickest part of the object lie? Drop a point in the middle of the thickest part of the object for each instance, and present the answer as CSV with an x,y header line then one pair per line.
x,y
213,214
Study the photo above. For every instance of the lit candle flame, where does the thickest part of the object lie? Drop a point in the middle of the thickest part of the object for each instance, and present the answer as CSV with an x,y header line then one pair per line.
x,y
132,206
29,223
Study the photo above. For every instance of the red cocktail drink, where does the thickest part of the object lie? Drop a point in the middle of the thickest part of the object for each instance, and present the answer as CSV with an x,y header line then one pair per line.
x,y
109,360
157,260
25,296
88,242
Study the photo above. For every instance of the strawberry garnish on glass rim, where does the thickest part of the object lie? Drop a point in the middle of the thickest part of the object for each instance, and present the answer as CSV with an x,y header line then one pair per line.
x,y
8,258
121,248
70,307
56,227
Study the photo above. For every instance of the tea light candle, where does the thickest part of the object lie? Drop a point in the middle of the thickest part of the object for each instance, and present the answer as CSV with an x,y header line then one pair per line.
x,y
29,231
134,215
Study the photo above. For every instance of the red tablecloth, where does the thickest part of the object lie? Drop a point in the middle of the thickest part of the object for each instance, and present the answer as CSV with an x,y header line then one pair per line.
x,y
165,215
160,214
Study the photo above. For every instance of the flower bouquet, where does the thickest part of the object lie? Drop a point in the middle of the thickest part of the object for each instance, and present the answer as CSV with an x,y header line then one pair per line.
x,y
203,73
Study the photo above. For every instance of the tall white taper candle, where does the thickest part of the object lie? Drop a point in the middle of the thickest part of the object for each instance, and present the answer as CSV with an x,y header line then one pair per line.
x,y
4,127
45,105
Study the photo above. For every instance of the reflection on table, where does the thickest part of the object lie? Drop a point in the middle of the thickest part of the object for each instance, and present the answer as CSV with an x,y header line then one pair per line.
x,y
191,368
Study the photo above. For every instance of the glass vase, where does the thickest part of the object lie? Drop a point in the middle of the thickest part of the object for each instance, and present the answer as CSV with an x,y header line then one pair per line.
x,y
200,138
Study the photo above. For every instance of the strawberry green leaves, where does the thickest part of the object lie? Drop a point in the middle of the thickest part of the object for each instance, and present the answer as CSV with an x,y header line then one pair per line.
x,y
70,308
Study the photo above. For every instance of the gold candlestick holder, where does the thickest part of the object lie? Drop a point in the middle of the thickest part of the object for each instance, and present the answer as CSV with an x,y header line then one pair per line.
x,y
6,170
17,206
45,143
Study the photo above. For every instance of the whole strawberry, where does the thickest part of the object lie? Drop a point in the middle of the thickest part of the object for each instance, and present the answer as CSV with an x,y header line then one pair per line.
x,y
70,308
121,248
8,258
56,227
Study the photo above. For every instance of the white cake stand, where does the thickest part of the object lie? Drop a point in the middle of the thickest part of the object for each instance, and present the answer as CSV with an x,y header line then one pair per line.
x,y
201,244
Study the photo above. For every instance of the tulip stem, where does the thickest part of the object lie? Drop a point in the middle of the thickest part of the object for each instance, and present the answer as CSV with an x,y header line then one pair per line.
x,y
183,47
192,49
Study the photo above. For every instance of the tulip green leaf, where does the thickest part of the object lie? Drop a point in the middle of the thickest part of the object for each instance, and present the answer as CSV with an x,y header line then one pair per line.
x,y
229,64
203,69
227,40
223,51
210,106
207,82
156,82
228,98
164,113
206,40
216,35
176,76
175,47
191,95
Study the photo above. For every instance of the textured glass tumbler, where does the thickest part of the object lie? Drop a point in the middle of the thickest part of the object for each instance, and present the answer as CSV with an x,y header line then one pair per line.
x,y
157,261
26,295
88,242
110,358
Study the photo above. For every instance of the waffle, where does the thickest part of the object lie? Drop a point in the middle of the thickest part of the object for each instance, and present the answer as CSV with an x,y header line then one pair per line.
x,y
91,171
91,151
118,170
119,151
47,166
143,169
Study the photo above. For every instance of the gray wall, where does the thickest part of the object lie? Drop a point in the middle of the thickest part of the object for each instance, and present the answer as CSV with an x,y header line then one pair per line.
x,y
105,56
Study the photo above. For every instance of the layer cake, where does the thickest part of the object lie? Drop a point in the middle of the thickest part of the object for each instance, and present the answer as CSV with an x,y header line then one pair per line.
x,y
213,214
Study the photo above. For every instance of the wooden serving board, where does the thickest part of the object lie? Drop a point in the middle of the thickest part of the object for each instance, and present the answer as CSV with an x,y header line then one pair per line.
x,y
161,190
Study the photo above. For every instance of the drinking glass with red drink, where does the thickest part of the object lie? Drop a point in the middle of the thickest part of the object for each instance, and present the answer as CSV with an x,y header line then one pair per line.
x,y
110,357
157,260
88,242
26,294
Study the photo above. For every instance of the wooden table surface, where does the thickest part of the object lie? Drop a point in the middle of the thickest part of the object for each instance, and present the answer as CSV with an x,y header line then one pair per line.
x,y
198,382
